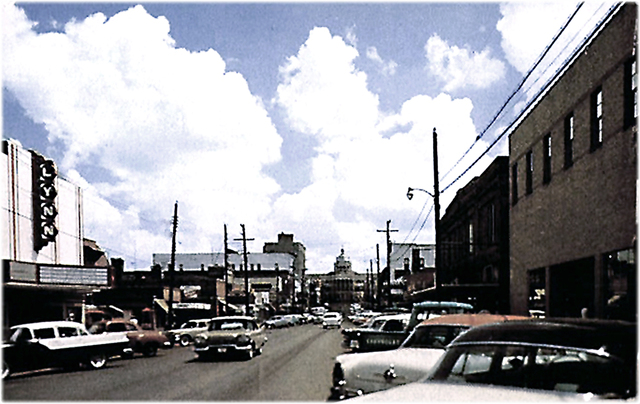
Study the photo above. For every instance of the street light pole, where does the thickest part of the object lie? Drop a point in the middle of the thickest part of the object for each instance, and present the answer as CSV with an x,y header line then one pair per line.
x,y
436,200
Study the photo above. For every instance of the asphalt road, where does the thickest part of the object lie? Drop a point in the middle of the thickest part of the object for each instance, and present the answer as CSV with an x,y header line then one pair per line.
x,y
296,365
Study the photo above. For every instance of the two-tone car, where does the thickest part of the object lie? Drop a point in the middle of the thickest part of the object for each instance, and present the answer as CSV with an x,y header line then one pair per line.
x,y
233,335
187,332
146,342
536,359
369,337
54,344
356,374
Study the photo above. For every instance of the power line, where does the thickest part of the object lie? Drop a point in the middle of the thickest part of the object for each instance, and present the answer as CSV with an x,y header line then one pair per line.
x,y
517,119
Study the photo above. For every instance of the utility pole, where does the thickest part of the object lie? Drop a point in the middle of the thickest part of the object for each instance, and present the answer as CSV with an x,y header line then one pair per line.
x,y
172,266
246,269
378,284
436,197
370,283
226,273
391,276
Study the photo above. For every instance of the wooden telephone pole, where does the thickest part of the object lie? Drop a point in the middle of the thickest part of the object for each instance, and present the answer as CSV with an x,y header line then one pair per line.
x,y
391,276
246,269
226,273
172,266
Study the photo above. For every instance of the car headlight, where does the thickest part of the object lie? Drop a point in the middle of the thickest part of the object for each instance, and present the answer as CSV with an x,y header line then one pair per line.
x,y
200,340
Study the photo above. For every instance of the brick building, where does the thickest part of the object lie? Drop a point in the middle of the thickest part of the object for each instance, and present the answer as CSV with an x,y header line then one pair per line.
x,y
573,163
475,237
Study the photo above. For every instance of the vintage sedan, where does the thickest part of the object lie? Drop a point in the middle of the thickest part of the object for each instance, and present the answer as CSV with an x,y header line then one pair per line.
x,y
537,359
363,373
331,319
54,344
187,332
146,342
277,321
369,337
231,335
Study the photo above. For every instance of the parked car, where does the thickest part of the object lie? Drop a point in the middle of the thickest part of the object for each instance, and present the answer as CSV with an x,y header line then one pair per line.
x,y
277,321
363,317
382,340
359,339
188,331
231,335
331,319
581,359
146,342
51,344
355,374
293,319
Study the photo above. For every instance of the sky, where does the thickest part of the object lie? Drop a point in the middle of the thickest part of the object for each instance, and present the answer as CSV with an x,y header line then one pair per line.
x,y
311,119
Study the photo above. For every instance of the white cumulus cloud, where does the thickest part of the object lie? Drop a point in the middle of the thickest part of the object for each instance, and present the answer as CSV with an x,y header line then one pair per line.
x,y
460,67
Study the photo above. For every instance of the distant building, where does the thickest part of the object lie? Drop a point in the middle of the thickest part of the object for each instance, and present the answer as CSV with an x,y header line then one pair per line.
x,y
573,169
342,286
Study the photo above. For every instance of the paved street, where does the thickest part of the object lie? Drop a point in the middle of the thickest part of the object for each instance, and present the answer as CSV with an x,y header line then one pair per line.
x,y
295,366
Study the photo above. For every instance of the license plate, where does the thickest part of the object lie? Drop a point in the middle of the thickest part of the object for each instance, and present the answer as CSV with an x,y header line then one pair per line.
x,y
222,350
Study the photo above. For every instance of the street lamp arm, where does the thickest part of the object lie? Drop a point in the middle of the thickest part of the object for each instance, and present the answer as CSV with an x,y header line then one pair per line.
x,y
410,192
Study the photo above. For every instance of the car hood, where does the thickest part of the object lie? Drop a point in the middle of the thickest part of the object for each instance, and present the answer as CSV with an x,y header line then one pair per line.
x,y
443,391
366,371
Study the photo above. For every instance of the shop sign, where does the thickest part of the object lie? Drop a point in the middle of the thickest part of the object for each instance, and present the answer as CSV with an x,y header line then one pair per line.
x,y
62,275
44,194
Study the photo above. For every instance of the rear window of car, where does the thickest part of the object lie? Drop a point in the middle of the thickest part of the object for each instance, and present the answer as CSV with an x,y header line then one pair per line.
x,y
116,327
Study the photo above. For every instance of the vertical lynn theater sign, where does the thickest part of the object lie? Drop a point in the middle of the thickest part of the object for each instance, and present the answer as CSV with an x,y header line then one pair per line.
x,y
44,174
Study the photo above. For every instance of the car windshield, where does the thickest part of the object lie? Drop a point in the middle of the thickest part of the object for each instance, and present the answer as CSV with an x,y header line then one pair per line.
x,y
537,367
433,336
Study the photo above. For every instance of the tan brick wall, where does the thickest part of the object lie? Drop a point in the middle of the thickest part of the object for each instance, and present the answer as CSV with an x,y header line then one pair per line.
x,y
590,208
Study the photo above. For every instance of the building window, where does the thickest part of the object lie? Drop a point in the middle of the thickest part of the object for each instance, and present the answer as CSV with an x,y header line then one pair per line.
x,y
568,141
514,184
546,167
470,238
630,93
596,119
259,266
529,177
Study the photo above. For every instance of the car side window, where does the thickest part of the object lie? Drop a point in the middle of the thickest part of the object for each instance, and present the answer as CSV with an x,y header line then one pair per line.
x,y
65,332
131,327
393,325
472,363
44,333
116,327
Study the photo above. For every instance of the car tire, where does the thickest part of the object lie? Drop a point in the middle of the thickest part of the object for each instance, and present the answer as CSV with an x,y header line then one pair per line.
x,y
185,340
6,370
149,350
97,360
128,355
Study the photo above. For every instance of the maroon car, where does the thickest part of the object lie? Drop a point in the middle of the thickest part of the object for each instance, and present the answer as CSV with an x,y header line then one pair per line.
x,y
146,342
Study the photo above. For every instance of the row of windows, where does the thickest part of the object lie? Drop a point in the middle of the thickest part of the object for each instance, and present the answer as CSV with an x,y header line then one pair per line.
x,y
596,132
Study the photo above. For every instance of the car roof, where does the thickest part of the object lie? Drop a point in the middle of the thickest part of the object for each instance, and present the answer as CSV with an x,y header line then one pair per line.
x,y
49,324
401,316
615,337
428,304
232,318
470,319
